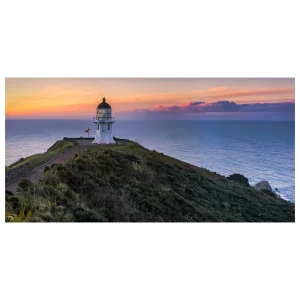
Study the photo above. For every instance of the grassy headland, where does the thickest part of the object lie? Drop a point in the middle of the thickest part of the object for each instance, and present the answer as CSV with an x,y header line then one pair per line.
x,y
129,183
38,159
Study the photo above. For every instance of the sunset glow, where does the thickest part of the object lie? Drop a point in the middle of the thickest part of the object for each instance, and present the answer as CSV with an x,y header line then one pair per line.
x,y
78,98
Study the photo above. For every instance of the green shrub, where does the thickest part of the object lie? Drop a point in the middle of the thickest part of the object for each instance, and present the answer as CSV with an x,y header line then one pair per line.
x,y
25,184
239,178
270,193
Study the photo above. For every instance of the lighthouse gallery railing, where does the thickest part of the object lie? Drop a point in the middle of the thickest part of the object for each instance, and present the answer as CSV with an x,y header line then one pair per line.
x,y
104,120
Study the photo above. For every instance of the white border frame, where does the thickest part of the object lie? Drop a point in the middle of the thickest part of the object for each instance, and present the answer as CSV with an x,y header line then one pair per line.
x,y
149,76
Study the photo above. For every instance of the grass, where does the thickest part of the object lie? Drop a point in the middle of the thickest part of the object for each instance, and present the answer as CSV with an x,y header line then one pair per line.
x,y
36,160
129,183
21,217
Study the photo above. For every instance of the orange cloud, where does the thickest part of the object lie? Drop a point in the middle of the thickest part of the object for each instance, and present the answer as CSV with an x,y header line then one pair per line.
x,y
217,89
212,94
257,92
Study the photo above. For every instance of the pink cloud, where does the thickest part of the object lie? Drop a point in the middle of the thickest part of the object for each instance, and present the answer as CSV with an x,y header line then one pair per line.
x,y
224,107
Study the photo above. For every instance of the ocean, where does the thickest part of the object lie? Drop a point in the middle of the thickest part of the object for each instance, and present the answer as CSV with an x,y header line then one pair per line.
x,y
260,150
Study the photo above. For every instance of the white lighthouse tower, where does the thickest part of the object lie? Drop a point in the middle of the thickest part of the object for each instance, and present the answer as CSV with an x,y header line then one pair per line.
x,y
104,122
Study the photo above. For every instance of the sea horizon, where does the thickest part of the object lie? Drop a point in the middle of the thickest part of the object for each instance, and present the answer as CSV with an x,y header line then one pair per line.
x,y
160,119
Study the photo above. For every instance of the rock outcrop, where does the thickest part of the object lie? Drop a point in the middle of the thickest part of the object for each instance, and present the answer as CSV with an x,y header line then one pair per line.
x,y
263,185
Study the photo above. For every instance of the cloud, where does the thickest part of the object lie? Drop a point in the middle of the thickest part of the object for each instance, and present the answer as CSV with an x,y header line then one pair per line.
x,y
217,93
217,89
285,107
193,103
219,107
158,107
257,92
174,109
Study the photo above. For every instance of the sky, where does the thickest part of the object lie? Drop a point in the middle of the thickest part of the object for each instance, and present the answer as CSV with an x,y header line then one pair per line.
x,y
151,98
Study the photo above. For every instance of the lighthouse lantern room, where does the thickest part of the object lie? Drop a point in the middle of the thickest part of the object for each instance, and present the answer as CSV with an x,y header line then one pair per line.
x,y
104,122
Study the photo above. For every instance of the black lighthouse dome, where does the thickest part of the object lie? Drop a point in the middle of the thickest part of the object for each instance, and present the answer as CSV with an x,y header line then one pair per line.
x,y
103,104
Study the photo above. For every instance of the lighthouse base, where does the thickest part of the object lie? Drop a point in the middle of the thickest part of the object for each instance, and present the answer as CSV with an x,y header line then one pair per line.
x,y
103,138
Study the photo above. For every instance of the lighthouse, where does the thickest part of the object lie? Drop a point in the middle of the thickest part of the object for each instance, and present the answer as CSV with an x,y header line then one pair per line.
x,y
104,122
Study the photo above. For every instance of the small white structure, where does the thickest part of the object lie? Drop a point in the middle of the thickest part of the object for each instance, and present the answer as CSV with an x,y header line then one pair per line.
x,y
103,121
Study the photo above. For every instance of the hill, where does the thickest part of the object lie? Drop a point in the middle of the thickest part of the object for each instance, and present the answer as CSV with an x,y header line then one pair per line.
x,y
129,183
35,160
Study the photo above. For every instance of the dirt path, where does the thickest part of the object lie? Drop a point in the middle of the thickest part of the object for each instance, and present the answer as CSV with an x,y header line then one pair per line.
x,y
36,174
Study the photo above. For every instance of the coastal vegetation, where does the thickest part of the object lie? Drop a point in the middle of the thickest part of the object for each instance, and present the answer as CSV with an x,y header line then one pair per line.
x,y
38,159
25,165
129,183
